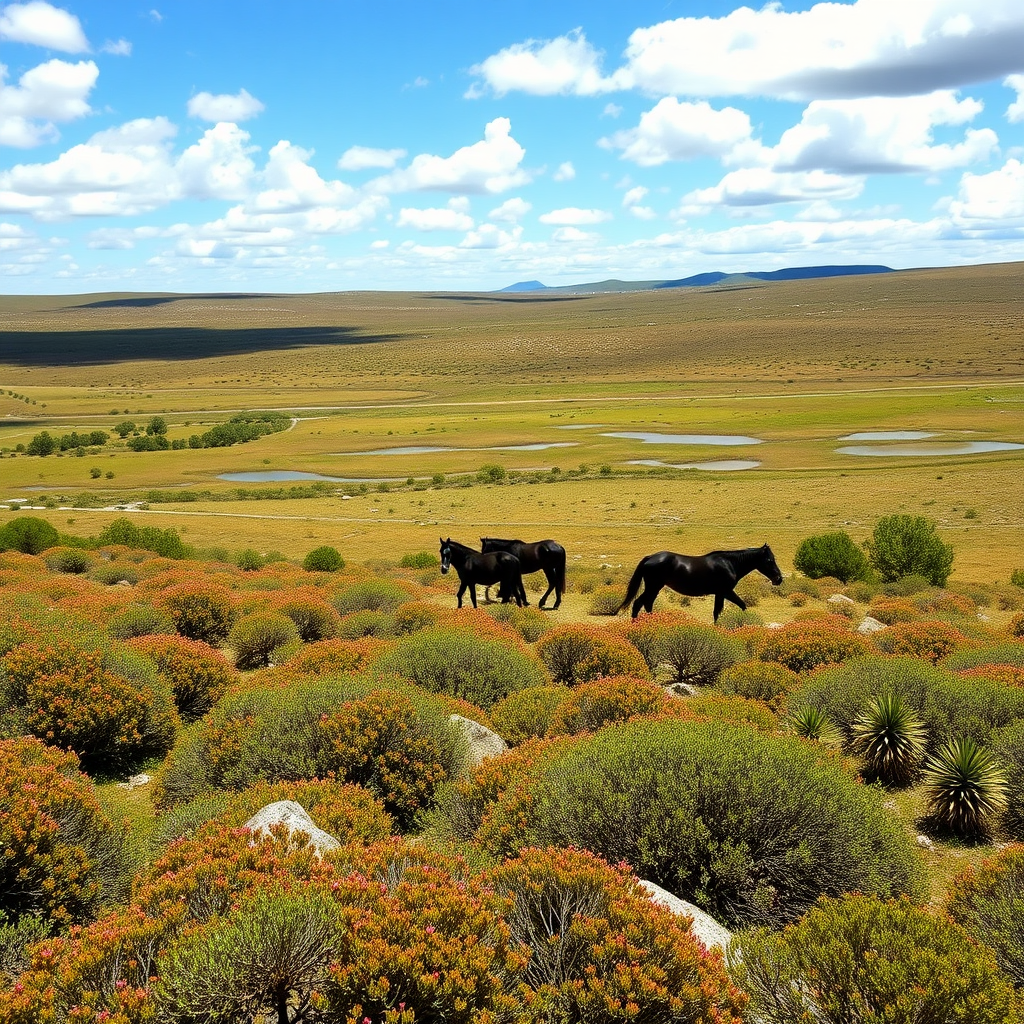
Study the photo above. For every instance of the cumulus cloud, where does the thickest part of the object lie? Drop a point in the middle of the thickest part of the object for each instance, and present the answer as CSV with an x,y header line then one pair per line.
x,y
491,165
117,48
571,234
453,217
675,130
565,172
41,24
218,166
1015,111
633,202
52,92
490,236
511,211
611,110
573,215
224,107
761,186
992,202
362,158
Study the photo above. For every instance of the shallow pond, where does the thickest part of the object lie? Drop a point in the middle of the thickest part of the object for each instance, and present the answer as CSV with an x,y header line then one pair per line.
x,y
888,435
650,438
938,448
721,465
277,476
425,449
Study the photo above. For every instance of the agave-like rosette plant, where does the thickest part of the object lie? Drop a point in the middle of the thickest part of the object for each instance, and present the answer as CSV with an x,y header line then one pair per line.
x,y
813,724
891,739
965,788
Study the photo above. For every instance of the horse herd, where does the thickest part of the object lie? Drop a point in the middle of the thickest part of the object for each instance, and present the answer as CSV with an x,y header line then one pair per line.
x,y
505,562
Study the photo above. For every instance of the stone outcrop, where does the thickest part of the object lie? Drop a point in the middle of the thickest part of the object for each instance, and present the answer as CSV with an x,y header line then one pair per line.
x,y
482,742
294,818
704,927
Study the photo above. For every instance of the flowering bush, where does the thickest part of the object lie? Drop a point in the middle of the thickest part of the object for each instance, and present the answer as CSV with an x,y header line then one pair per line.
x,y
577,653
758,680
255,638
929,640
416,615
530,623
70,560
589,706
374,595
527,714
646,630
139,620
332,657
802,646
200,611
315,620
717,707
197,673
366,623
891,610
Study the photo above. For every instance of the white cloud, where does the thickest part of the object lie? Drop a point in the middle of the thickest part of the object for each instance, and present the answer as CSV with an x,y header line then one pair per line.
x,y
52,92
571,234
224,107
634,196
379,243
611,110
120,238
437,219
362,158
1015,111
565,172
992,202
489,236
761,186
633,202
218,166
491,165
511,211
118,48
681,131
41,24
573,215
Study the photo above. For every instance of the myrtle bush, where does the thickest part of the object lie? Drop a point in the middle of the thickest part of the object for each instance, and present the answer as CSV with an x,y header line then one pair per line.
x,y
197,673
200,611
73,561
831,554
28,534
987,902
249,560
857,958
139,620
255,638
577,653
480,669
947,705
806,645
59,855
124,532
371,596
904,545
527,714
315,620
758,680
750,827
323,559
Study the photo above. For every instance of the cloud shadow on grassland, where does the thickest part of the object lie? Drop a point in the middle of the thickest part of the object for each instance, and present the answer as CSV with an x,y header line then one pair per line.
x,y
91,348
145,301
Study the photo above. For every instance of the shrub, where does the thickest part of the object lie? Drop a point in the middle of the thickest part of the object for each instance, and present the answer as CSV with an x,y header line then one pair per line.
x,y
249,560
527,714
696,654
530,623
419,560
645,633
929,640
735,618
1008,750
986,901
891,740
111,573
965,789
73,561
811,723
139,620
315,620
255,638
123,531
605,601
750,827
758,680
831,554
197,673
323,559
1015,627
857,958
417,615
480,669
61,856
366,623
995,654
27,534
200,611
372,596
906,586
802,646
332,657
892,610
716,707
902,545
578,653
589,706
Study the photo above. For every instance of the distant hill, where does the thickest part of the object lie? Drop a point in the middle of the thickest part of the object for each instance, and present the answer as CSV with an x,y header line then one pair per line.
x,y
706,280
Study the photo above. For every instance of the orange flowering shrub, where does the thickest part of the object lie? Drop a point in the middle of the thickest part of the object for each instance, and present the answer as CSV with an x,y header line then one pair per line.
x,y
929,640
527,714
802,646
1008,675
416,615
200,611
314,619
58,852
765,681
589,706
1015,627
197,673
331,657
646,631
717,707
891,610
577,653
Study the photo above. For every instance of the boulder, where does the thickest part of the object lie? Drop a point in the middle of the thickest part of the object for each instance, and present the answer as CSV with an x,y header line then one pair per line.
x,y
293,817
841,599
681,690
704,927
481,741
869,625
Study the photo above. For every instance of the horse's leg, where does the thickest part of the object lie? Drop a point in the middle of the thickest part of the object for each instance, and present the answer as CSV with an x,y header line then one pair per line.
x,y
736,600
551,586
650,596
462,590
521,598
719,605
472,593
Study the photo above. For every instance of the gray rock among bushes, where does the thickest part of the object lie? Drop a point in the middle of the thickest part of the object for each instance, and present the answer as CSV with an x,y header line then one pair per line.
x,y
481,741
705,927
295,818
869,625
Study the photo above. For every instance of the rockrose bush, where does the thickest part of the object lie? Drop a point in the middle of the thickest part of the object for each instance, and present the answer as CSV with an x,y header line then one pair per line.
x,y
750,827
758,680
315,620
197,673
139,620
578,653
255,638
527,714
376,595
334,657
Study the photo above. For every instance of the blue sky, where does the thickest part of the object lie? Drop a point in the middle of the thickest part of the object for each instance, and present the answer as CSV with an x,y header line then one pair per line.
x,y
322,146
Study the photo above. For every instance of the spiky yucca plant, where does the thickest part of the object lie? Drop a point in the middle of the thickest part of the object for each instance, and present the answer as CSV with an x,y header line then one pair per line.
x,y
891,739
813,724
965,788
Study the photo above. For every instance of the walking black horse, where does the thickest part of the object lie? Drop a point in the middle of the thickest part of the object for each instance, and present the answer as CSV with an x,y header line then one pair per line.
x,y
475,567
547,556
716,573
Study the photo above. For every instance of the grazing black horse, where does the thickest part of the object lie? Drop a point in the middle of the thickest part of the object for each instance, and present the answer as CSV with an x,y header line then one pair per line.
x,y
547,556
716,573
474,567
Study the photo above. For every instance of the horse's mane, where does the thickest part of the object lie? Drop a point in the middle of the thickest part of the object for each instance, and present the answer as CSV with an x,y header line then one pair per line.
x,y
462,547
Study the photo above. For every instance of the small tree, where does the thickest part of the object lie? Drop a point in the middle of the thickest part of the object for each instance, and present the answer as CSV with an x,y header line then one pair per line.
x,y
157,425
903,545
323,559
125,427
42,444
831,554
28,534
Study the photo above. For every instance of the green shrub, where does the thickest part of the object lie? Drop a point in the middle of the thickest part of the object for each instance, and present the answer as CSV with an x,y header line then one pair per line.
x,y
857,958
110,573
831,554
589,706
417,615
987,902
366,623
735,618
905,586
197,673
1017,578
1008,750
890,739
323,559
315,620
811,723
576,653
255,638
491,473
123,531
965,789
15,938
717,707
750,827
758,680
371,596
60,855
530,623
696,654
249,560
445,659
994,654
419,560
28,534
139,620
526,714
73,561
605,601
200,611
902,545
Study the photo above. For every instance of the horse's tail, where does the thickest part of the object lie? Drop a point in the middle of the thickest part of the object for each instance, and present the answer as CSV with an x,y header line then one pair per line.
x,y
634,586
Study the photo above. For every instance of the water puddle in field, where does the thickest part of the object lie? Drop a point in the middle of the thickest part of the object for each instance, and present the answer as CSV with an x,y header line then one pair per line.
x,y
888,435
956,448
721,465
277,476
425,449
649,438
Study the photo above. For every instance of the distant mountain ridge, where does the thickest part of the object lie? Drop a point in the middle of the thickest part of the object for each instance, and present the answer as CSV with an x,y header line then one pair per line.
x,y
709,279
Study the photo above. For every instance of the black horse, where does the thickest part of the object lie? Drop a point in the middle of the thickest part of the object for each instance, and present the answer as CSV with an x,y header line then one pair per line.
x,y
716,573
474,567
547,556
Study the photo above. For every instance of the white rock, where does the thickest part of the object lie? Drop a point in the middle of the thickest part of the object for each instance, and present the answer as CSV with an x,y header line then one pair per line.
x,y
773,625
925,843
840,599
704,927
869,625
482,742
142,779
295,818
681,690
